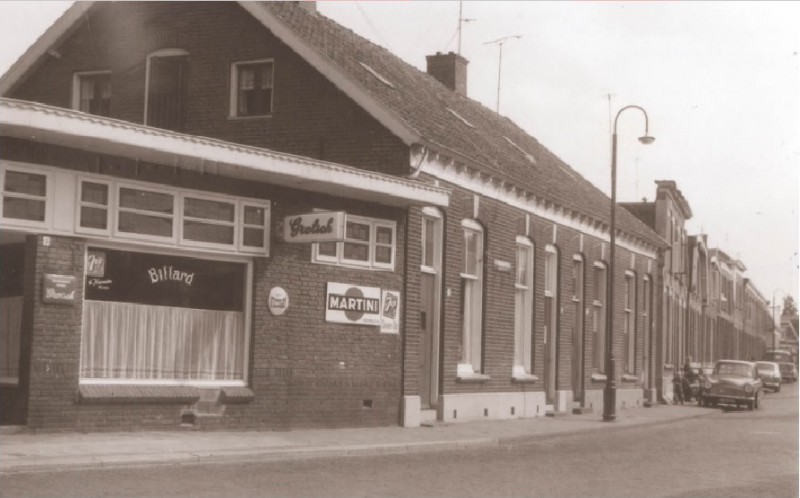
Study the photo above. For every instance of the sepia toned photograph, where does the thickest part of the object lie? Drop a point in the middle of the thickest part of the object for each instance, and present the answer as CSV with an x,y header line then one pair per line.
x,y
399,248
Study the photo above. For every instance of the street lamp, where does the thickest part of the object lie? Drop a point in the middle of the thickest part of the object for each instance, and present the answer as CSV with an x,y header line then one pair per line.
x,y
610,391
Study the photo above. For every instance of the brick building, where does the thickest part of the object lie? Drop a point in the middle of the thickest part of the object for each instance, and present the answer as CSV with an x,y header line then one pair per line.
x,y
172,140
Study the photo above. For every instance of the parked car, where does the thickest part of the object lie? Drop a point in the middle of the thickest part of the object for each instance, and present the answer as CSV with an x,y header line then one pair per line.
x,y
770,374
733,382
788,371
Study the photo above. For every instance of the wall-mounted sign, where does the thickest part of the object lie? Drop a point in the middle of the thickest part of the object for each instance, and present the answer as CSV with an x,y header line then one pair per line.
x,y
278,301
503,266
353,304
96,264
314,227
390,312
58,289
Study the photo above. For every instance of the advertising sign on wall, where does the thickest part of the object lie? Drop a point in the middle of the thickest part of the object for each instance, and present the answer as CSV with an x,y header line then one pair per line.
x,y
314,227
390,312
58,289
353,304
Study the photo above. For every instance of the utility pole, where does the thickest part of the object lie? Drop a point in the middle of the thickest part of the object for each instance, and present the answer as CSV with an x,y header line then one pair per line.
x,y
500,42
461,21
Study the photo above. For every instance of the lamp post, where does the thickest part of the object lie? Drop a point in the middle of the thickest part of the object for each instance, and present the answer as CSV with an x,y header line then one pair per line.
x,y
610,391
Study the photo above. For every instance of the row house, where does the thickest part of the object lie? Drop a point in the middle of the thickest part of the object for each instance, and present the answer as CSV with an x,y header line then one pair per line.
x,y
242,214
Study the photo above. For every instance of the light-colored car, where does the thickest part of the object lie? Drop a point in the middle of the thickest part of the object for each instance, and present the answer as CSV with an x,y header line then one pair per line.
x,y
770,374
733,382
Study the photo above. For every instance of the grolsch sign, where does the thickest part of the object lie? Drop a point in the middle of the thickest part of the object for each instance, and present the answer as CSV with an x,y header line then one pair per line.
x,y
314,227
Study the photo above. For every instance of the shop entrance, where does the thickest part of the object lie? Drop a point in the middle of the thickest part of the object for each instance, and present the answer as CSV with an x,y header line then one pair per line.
x,y
430,294
13,395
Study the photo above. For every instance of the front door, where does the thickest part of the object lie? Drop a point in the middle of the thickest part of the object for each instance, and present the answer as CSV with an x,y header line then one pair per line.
x,y
577,329
430,304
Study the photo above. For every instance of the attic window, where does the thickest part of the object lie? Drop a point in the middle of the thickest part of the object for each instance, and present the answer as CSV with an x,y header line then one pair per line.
x,y
460,117
528,157
377,75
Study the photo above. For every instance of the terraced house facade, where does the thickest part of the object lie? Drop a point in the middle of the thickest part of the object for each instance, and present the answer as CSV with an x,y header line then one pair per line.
x,y
161,161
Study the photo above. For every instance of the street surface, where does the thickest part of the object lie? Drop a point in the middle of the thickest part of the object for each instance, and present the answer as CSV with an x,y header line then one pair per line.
x,y
734,453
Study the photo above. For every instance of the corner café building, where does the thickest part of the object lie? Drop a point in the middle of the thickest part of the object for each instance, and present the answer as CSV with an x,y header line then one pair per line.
x,y
152,279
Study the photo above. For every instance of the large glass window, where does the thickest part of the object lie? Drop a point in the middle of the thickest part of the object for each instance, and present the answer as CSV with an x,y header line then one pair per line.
x,y
157,318
472,306
523,307
145,212
92,93
251,89
369,243
599,317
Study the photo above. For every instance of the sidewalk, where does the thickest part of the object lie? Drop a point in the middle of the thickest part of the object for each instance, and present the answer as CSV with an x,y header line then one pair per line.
x,y
23,452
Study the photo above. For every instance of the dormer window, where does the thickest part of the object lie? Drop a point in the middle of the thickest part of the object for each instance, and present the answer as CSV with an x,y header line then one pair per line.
x,y
91,92
251,88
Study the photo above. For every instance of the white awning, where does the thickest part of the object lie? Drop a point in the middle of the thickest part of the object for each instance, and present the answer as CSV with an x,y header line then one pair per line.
x,y
68,128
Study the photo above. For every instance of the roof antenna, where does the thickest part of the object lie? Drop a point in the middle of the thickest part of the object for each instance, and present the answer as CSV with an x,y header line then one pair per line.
x,y
499,42
461,21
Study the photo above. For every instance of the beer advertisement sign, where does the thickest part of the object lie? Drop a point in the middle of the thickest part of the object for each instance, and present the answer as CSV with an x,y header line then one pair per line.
x,y
314,227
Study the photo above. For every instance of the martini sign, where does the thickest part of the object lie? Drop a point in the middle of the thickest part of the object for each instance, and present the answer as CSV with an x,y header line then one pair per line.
x,y
356,305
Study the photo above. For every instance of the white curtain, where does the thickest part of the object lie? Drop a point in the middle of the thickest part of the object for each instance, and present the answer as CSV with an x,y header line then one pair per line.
x,y
136,341
10,320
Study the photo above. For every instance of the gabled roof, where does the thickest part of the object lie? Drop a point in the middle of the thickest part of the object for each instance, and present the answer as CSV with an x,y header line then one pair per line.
x,y
418,109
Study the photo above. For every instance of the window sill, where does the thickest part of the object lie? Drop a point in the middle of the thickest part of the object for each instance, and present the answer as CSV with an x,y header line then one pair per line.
x,y
128,394
524,378
598,377
249,118
465,373
629,378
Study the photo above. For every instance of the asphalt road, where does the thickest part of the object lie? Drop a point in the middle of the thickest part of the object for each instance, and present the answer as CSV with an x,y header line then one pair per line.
x,y
734,453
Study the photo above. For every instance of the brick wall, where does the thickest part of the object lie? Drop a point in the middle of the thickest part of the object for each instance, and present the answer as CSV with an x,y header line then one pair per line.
x,y
502,224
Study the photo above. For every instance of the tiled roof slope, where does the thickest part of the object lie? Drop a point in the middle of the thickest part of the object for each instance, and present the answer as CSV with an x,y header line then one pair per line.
x,y
422,103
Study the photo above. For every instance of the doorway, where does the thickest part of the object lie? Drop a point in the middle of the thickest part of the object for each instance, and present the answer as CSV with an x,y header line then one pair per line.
x,y
430,293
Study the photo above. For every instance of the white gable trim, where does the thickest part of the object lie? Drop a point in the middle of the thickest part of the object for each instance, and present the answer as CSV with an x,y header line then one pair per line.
x,y
54,125
333,73
42,45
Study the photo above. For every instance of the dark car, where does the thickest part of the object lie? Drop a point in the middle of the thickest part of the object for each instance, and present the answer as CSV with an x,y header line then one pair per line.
x,y
770,374
733,382
788,371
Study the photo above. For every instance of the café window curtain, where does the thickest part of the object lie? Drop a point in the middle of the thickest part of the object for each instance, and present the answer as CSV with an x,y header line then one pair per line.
x,y
141,342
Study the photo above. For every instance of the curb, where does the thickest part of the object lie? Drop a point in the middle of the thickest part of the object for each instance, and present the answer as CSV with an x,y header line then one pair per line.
x,y
121,461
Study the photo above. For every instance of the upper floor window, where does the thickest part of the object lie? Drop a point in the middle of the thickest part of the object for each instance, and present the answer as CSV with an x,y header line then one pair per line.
x,y
251,88
91,92
369,243
165,96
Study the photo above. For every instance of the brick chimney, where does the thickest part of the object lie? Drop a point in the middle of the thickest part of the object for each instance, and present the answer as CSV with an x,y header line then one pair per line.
x,y
450,69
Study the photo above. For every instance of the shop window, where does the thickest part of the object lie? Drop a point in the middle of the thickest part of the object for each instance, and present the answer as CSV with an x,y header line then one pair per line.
x,y
630,322
163,319
251,88
599,316
254,230
25,197
12,257
369,243
472,295
92,92
523,308
165,98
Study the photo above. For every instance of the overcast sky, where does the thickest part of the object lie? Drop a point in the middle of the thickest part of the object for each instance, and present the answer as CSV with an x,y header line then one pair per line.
x,y
720,82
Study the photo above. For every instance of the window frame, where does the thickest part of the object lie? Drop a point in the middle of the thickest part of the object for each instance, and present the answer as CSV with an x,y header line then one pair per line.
x,y
525,293
599,329
471,364
165,53
79,203
48,198
233,109
173,238
76,89
371,263
235,224
630,310
248,297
